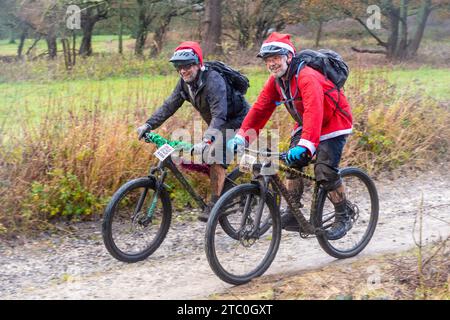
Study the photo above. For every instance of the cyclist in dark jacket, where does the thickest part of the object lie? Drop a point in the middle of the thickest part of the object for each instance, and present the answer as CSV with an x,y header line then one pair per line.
x,y
221,107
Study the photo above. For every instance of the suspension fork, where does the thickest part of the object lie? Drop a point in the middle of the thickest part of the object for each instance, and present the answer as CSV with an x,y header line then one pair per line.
x,y
159,183
263,183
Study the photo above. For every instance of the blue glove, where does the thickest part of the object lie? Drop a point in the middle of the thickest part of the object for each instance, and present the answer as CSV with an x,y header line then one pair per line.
x,y
235,143
298,156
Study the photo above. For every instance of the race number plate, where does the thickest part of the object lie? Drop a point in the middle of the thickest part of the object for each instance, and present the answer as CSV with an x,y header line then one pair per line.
x,y
163,152
247,162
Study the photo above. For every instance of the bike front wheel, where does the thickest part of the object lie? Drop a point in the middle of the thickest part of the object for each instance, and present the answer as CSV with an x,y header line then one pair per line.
x,y
136,220
250,251
362,203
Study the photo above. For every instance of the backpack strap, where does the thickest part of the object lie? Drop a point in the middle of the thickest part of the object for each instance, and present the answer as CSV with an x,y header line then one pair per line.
x,y
289,102
336,103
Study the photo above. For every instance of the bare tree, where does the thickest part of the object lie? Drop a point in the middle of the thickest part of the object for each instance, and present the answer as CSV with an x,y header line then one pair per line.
x,y
146,14
253,19
42,18
403,40
91,12
166,11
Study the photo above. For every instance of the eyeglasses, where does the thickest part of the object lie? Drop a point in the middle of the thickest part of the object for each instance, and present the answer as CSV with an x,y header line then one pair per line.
x,y
273,59
184,67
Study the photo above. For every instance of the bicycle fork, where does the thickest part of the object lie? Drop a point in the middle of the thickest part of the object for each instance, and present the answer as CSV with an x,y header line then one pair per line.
x,y
159,182
263,185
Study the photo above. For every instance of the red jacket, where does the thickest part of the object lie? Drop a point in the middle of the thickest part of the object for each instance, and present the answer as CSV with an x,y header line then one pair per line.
x,y
321,119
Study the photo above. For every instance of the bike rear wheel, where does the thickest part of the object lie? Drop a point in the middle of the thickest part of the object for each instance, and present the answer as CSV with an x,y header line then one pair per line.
x,y
136,220
362,198
238,261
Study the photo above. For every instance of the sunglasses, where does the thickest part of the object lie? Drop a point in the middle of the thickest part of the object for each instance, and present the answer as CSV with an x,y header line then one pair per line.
x,y
184,67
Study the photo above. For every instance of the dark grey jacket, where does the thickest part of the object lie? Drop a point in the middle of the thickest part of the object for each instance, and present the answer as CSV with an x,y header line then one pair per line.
x,y
208,95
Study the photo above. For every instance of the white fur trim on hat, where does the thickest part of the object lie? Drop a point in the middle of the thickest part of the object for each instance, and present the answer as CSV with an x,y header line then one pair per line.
x,y
186,50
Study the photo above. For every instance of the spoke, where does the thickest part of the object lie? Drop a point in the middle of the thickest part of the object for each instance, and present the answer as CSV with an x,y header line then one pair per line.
x,y
139,204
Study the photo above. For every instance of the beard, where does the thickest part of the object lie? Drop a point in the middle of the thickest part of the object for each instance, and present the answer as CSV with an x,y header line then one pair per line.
x,y
278,70
190,78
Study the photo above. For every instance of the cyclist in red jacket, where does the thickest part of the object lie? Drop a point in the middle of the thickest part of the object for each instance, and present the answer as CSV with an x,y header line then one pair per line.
x,y
323,121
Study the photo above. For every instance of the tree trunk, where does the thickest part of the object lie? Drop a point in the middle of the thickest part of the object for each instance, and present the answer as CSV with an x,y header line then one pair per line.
x,y
158,41
319,33
260,34
23,37
400,50
12,37
393,36
421,24
68,62
160,33
213,27
86,42
74,42
88,20
51,45
142,29
120,29
140,41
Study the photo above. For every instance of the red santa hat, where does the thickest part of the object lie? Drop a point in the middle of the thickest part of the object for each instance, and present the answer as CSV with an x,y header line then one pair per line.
x,y
194,46
282,40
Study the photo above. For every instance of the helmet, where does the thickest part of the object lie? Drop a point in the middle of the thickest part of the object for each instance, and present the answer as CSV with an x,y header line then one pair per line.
x,y
184,57
271,50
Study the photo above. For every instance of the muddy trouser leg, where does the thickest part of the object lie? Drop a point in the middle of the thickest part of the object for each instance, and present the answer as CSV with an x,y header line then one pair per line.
x,y
326,171
218,159
217,178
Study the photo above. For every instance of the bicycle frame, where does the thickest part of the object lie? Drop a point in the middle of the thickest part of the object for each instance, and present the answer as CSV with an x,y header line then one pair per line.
x,y
168,164
162,168
263,181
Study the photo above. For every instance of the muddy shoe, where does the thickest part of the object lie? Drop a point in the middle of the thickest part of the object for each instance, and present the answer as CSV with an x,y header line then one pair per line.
x,y
341,225
204,215
288,221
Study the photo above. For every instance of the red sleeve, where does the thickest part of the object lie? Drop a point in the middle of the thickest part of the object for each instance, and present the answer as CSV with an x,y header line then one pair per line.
x,y
313,98
261,111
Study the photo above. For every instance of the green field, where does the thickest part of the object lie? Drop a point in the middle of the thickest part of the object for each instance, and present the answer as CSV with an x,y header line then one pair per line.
x,y
30,100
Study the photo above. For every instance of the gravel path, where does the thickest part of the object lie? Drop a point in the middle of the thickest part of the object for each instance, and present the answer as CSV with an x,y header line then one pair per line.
x,y
77,266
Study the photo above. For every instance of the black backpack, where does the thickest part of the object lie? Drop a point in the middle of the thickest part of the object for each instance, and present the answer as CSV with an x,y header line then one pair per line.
x,y
235,79
328,62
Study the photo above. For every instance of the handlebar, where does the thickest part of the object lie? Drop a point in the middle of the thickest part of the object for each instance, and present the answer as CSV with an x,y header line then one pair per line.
x,y
281,155
159,141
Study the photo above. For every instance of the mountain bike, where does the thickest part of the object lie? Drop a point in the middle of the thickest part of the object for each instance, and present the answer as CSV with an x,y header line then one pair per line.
x,y
138,216
253,211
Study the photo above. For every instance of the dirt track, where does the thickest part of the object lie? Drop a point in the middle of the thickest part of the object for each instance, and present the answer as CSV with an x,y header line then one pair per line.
x,y
77,266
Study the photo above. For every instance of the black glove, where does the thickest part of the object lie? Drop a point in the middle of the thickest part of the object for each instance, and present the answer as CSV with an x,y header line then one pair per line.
x,y
142,130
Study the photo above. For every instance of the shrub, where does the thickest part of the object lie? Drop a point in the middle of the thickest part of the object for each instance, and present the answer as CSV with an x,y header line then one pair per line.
x,y
62,196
